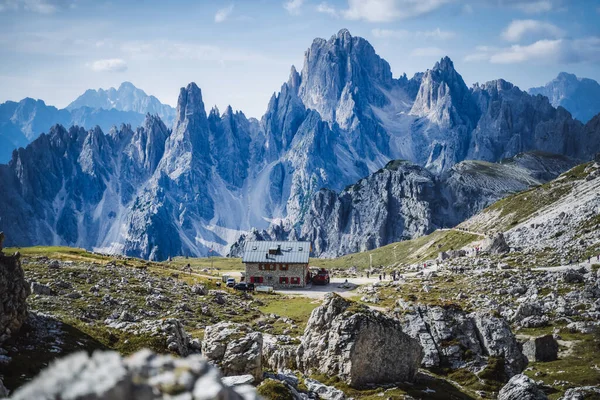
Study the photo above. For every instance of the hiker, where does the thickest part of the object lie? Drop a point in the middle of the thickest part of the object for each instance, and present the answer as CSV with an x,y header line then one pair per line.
x,y
367,274
379,276
384,276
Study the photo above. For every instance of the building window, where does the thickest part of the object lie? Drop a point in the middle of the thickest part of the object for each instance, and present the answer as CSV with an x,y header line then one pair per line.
x,y
295,281
284,267
261,267
256,279
284,280
273,267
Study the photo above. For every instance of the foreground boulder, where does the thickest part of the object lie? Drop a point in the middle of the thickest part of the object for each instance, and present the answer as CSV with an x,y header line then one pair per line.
x,y
3,390
453,338
234,348
543,348
521,387
357,344
13,295
142,376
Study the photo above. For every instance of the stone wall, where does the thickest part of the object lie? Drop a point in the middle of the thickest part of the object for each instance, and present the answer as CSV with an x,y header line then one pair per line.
x,y
13,295
271,277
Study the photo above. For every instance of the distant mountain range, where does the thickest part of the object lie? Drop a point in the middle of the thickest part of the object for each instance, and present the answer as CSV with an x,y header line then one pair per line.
x,y
155,192
581,96
22,122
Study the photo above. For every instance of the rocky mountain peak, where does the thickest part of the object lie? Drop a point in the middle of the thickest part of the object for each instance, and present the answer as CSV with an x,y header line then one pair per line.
x,y
444,97
294,80
190,103
445,64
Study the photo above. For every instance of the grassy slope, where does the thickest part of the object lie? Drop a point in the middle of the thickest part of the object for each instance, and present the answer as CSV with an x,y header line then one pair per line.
x,y
512,210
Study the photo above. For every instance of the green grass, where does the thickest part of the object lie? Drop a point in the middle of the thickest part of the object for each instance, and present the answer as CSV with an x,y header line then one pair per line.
x,y
271,389
296,308
406,252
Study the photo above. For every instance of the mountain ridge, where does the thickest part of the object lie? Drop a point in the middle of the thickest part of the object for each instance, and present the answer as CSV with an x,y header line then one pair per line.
x,y
156,192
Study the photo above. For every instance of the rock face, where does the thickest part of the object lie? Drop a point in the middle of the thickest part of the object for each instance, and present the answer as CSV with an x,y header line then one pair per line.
x,y
543,348
403,201
520,387
153,192
279,354
234,349
358,345
580,96
452,338
13,295
142,376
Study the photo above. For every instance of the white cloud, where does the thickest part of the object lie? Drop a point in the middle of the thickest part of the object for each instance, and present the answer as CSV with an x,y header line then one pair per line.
x,y
405,34
563,51
293,6
325,8
175,50
530,28
38,6
427,52
223,13
109,65
535,7
390,10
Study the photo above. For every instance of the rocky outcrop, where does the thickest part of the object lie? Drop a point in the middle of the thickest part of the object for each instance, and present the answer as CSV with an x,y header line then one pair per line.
x,y
453,338
142,376
357,344
14,290
234,349
495,244
543,348
279,354
520,387
403,201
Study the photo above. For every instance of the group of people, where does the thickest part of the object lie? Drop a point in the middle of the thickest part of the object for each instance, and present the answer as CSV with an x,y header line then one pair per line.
x,y
394,276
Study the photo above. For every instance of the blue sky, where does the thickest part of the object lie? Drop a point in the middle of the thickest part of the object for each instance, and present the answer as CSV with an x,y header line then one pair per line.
x,y
239,52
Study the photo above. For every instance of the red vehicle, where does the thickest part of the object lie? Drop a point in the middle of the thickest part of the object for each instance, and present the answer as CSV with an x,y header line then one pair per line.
x,y
321,277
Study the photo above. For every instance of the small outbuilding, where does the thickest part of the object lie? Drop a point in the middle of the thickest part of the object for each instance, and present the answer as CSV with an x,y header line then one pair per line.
x,y
279,264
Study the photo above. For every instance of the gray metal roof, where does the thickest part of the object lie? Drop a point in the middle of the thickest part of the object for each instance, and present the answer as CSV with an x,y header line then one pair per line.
x,y
290,252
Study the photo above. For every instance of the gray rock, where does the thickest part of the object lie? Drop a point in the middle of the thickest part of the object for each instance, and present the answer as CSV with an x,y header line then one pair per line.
x,y
495,244
499,341
520,387
323,391
200,290
40,289
582,393
234,348
13,295
447,334
543,348
238,380
3,390
339,341
278,354
142,376
572,276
